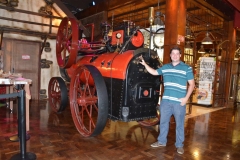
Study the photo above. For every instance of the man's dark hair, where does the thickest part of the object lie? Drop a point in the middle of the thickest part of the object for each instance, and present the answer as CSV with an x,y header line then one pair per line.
x,y
175,48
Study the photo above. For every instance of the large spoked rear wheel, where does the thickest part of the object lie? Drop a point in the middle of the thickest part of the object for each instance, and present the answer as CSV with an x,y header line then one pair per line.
x,y
57,94
151,121
88,100
67,42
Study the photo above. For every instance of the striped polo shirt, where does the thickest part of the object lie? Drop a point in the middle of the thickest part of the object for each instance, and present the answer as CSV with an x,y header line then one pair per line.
x,y
175,80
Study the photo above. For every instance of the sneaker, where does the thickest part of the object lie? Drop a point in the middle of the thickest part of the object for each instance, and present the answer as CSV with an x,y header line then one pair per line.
x,y
180,150
157,144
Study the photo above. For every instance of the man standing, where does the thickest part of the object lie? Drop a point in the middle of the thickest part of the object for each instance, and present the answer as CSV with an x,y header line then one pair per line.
x,y
176,75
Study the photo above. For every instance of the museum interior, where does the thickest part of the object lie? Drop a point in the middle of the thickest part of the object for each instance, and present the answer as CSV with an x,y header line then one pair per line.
x,y
72,86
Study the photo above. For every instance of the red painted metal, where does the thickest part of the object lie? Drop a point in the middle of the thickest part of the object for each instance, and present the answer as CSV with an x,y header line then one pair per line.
x,y
138,39
67,42
55,95
86,100
109,64
57,92
81,110
115,40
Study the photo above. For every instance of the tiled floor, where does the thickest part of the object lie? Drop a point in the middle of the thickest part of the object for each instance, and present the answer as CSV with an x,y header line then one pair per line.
x,y
210,134
199,110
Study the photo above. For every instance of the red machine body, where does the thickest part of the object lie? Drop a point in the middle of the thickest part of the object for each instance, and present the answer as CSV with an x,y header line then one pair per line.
x,y
107,63
106,79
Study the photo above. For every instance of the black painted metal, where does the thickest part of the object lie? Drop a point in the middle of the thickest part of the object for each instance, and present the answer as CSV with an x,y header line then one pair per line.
x,y
128,95
64,74
102,99
139,80
23,155
115,100
11,95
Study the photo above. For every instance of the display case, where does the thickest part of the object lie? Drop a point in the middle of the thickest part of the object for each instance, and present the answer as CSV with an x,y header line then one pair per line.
x,y
204,79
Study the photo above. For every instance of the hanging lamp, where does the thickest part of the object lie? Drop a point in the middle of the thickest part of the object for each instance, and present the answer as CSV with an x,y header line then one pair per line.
x,y
207,39
188,31
188,46
201,50
212,53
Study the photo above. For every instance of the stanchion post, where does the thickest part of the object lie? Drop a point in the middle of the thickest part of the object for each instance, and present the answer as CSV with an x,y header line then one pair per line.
x,y
22,124
23,155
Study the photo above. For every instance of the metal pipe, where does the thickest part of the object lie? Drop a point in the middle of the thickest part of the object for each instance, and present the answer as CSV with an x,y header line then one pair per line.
x,y
22,124
151,20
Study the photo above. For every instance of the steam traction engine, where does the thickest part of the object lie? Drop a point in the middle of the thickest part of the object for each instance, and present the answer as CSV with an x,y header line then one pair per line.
x,y
106,79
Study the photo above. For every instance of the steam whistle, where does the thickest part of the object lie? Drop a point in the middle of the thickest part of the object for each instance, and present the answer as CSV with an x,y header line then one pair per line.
x,y
151,15
151,20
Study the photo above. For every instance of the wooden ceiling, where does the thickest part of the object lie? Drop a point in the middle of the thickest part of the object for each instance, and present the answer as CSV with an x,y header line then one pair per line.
x,y
201,14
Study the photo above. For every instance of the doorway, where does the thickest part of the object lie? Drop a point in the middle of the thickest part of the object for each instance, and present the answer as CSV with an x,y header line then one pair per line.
x,y
22,56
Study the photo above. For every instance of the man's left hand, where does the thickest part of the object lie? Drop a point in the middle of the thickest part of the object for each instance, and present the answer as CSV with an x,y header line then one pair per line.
x,y
183,101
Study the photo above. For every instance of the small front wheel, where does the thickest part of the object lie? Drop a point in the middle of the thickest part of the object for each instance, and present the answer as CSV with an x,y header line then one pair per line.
x,y
57,94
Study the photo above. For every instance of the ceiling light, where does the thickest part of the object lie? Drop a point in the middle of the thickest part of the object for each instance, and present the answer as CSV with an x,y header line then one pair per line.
x,y
188,31
207,39
201,50
188,46
92,3
212,53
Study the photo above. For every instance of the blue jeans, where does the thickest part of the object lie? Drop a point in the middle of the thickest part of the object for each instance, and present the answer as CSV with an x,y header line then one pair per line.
x,y
167,109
